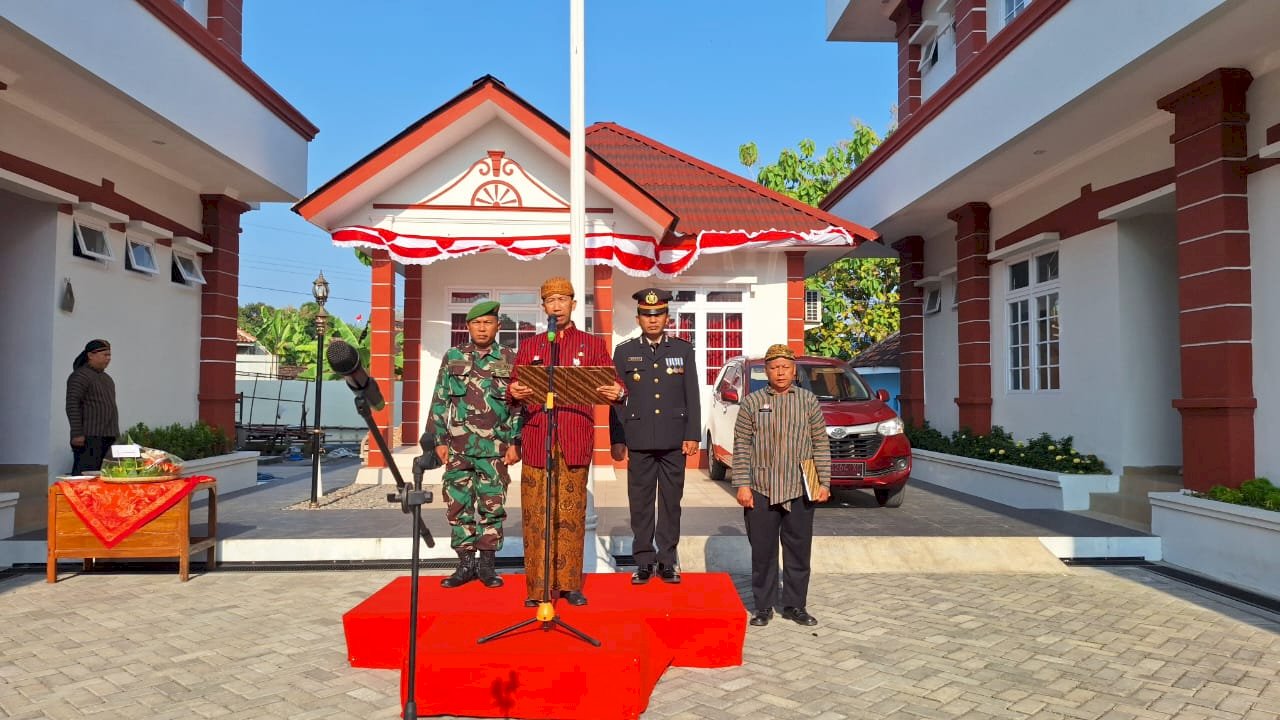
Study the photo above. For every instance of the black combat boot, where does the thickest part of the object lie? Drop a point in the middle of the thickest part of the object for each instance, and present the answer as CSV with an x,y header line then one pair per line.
x,y
485,570
466,571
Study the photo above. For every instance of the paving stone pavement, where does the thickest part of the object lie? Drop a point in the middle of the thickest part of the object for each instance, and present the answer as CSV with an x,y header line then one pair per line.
x,y
1092,644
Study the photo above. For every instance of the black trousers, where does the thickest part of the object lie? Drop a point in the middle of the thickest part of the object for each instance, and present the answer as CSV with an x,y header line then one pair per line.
x,y
651,472
767,525
90,455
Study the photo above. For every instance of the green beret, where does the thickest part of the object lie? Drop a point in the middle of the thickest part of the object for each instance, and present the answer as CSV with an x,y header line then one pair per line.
x,y
480,309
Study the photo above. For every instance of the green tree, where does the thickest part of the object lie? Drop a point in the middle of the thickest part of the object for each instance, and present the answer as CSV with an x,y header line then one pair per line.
x,y
859,296
290,334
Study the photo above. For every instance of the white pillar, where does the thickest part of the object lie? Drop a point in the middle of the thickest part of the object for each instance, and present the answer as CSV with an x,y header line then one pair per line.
x,y
595,558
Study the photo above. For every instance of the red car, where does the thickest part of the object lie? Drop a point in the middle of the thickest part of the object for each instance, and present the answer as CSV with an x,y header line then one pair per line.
x,y
868,447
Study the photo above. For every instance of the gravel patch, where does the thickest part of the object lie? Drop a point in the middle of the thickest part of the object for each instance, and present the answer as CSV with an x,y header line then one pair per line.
x,y
351,497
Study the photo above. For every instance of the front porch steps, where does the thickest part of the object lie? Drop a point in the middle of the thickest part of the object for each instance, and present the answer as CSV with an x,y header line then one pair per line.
x,y
1131,507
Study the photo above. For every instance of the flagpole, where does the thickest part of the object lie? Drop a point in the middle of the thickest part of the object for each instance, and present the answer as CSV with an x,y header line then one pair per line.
x,y
577,158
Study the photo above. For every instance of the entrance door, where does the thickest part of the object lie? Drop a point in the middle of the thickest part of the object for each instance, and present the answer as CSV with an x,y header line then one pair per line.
x,y
712,321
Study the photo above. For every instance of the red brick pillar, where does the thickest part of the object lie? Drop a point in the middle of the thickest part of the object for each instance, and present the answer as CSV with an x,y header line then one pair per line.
x,y
226,22
973,310
381,346
795,301
911,328
602,322
1215,320
907,18
971,30
411,388
219,307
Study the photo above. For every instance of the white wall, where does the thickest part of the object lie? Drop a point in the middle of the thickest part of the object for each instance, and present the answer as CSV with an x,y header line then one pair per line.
x,y
152,323
941,377
1148,360
29,296
1040,77
34,139
934,77
1264,230
1090,405
146,61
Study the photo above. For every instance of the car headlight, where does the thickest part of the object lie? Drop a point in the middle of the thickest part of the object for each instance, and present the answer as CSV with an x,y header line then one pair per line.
x,y
890,427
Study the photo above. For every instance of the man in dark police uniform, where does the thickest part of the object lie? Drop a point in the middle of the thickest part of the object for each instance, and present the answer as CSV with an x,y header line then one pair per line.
x,y
657,424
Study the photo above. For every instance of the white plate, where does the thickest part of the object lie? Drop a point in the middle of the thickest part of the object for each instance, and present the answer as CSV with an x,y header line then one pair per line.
x,y
76,477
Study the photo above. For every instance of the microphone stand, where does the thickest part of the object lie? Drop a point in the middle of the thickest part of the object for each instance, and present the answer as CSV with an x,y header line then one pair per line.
x,y
411,498
546,613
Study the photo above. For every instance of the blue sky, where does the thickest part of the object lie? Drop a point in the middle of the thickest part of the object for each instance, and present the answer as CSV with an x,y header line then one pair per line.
x,y
703,76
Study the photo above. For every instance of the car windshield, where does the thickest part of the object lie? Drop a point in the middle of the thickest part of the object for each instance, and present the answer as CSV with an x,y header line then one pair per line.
x,y
828,382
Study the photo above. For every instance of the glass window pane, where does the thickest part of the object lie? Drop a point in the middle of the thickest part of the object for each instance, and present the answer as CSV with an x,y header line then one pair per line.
x,y
519,297
1047,267
685,295
463,297
724,296
1019,275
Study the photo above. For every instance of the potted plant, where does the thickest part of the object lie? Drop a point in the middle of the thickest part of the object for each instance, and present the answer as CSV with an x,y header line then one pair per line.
x,y
204,450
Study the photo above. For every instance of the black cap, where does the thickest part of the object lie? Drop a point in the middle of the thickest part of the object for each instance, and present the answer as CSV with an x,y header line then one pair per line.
x,y
651,301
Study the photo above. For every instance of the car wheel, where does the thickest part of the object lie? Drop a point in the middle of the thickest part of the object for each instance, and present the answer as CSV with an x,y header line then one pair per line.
x,y
718,470
891,497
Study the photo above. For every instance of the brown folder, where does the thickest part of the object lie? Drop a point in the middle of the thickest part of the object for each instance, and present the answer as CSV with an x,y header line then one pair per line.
x,y
812,484
575,384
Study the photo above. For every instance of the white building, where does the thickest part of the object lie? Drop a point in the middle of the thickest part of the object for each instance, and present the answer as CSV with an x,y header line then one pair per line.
x,y
469,203
1082,192
132,137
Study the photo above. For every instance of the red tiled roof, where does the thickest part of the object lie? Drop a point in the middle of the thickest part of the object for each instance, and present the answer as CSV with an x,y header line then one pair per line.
x,y
882,354
703,196
244,337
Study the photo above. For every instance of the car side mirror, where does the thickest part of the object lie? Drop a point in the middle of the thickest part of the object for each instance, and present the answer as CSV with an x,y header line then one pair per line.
x,y
729,395
882,395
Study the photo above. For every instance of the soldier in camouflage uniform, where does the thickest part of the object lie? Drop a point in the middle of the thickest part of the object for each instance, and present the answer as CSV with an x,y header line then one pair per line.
x,y
476,434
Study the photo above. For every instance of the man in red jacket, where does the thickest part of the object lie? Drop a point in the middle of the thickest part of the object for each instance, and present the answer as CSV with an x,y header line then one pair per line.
x,y
571,451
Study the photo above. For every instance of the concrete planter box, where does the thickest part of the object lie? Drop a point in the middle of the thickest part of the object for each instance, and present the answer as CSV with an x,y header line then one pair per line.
x,y
234,471
1009,484
8,509
1234,544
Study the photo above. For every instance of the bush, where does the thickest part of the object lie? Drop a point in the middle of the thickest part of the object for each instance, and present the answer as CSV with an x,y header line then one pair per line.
x,y
1259,493
189,442
1043,452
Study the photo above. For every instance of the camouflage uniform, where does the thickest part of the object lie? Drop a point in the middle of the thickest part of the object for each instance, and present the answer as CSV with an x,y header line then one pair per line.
x,y
471,415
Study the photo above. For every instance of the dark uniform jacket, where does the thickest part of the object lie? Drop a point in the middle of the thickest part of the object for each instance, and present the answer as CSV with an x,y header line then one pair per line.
x,y
662,407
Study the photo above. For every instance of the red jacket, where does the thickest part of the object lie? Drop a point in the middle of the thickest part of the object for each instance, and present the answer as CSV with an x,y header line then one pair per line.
x,y
575,424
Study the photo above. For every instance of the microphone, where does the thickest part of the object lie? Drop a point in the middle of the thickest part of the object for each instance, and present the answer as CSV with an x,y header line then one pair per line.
x,y
551,328
345,360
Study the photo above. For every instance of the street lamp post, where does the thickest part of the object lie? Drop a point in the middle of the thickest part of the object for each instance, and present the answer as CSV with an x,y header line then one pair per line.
x,y
320,291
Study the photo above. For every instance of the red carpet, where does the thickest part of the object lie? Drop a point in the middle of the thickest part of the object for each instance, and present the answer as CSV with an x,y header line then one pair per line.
x,y
548,674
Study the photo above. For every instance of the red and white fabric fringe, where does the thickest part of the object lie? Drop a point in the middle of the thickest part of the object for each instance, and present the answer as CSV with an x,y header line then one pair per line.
x,y
636,255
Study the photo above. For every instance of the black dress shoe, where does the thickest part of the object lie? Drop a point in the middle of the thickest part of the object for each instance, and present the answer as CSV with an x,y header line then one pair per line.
x,y
799,616
574,597
761,618
642,575
530,602
669,574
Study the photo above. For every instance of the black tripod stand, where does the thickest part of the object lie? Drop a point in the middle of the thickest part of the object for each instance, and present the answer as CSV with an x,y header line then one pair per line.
x,y
411,497
546,613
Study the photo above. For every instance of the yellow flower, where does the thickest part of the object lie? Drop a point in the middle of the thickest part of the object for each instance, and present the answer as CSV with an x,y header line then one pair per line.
x,y
1053,447
1075,460
1001,452
1057,457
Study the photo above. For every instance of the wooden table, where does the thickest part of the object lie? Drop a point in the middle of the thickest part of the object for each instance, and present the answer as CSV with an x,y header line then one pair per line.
x,y
167,535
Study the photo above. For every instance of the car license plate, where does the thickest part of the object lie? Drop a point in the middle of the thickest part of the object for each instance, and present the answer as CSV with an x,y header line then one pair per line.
x,y
846,469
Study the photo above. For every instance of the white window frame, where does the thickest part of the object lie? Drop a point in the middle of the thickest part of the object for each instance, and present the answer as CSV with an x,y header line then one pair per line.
x,y
1036,292
131,264
933,300
812,306
79,226
192,275
699,307
1012,9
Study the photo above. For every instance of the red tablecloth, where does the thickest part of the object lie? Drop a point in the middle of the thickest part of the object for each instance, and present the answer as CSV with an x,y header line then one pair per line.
x,y
113,511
